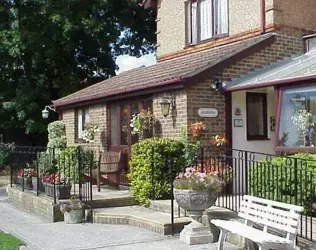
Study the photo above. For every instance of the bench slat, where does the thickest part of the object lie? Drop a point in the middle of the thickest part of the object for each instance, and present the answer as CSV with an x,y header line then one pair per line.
x,y
286,222
282,205
268,223
271,210
264,213
251,233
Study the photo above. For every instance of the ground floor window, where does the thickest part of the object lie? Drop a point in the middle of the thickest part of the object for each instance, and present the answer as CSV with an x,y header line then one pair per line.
x,y
120,115
256,116
297,117
81,119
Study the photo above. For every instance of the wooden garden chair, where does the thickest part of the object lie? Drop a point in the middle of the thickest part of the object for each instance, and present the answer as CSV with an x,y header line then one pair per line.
x,y
111,165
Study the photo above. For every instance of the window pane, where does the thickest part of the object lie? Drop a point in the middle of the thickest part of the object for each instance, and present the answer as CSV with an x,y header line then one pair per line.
x,y
80,123
124,124
256,115
221,17
193,22
86,116
114,126
135,110
298,117
206,19
148,105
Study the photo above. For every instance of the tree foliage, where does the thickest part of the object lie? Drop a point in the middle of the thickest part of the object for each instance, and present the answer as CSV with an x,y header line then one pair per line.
x,y
50,48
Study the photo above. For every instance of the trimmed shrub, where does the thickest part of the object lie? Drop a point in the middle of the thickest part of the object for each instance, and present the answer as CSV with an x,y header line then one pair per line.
x,y
287,179
150,174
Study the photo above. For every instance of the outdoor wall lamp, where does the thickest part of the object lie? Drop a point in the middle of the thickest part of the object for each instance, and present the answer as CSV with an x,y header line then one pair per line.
x,y
165,104
45,111
217,84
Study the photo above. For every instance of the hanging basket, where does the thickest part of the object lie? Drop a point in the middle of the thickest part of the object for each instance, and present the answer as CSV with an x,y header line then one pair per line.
x,y
197,132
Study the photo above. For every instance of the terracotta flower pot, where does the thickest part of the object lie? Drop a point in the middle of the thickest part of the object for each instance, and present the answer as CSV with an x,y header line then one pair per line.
x,y
196,132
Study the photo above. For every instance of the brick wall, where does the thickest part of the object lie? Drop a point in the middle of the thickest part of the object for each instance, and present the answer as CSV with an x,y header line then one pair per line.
x,y
37,204
203,96
97,116
170,126
284,46
69,120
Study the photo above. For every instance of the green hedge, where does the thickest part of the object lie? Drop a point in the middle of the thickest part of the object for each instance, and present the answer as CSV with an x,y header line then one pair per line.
x,y
287,179
153,153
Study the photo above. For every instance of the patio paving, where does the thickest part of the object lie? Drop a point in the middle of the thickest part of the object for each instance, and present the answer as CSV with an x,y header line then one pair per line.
x,y
39,234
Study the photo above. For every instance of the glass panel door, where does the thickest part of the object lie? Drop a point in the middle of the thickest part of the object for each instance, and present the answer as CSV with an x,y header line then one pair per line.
x,y
124,124
135,111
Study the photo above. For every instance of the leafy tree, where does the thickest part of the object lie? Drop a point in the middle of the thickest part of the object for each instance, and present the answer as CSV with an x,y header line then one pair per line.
x,y
51,48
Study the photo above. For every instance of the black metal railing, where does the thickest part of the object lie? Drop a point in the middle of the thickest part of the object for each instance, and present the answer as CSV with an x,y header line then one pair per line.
x,y
56,172
289,179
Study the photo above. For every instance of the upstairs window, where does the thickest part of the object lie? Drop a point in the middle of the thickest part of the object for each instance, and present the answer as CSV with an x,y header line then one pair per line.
x,y
206,19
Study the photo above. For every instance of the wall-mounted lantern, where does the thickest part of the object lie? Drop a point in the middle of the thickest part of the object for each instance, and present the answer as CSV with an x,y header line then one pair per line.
x,y
217,84
165,104
45,111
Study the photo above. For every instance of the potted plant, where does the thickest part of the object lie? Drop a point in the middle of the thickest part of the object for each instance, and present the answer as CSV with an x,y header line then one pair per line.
x,y
142,123
197,128
62,188
196,191
28,178
73,211
88,134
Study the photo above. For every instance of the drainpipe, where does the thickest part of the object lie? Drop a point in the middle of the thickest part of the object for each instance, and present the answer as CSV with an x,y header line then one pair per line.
x,y
263,16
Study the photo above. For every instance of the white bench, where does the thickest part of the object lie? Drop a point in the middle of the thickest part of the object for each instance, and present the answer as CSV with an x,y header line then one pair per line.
x,y
270,217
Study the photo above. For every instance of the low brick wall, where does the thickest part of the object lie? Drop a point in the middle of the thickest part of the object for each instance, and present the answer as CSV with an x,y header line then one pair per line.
x,y
37,204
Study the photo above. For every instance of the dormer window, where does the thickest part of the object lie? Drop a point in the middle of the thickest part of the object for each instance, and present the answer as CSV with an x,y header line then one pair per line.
x,y
206,19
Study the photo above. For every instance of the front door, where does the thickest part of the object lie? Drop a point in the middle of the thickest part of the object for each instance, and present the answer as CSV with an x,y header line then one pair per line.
x,y
118,125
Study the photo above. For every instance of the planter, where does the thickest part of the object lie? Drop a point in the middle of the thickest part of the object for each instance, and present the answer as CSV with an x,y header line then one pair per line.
x,y
73,216
62,191
195,201
27,182
196,132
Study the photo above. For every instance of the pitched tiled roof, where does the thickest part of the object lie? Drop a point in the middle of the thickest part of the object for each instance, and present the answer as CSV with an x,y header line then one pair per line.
x,y
164,73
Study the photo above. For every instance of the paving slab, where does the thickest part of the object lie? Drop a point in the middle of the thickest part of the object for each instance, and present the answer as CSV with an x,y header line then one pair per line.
x,y
39,234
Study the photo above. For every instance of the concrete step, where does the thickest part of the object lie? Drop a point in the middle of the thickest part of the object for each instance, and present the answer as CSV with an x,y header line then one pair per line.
x,y
140,217
164,206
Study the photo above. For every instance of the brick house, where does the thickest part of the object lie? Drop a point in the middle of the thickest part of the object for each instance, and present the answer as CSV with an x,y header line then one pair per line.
x,y
206,49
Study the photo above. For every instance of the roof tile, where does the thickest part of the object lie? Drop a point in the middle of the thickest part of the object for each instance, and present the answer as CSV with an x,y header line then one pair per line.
x,y
163,73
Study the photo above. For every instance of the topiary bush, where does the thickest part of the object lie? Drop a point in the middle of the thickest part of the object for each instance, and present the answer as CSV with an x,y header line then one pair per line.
x,y
56,135
287,179
150,174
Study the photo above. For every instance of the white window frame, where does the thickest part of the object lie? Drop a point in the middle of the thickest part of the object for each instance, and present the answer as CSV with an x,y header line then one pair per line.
x,y
202,25
83,117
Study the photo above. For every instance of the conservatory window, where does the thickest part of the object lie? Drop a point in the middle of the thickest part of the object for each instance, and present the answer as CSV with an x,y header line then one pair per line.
x,y
298,117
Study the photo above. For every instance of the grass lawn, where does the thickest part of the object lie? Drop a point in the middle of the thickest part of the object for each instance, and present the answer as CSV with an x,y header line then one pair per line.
x,y
9,242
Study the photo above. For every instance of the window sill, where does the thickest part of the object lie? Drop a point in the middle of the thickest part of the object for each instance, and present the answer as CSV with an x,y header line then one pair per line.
x,y
295,149
190,45
258,139
80,141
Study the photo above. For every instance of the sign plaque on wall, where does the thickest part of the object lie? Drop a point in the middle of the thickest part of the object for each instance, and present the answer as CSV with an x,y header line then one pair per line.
x,y
208,112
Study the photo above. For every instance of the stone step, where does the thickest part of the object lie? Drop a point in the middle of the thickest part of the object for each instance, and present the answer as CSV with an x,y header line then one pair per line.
x,y
164,206
140,217
211,213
